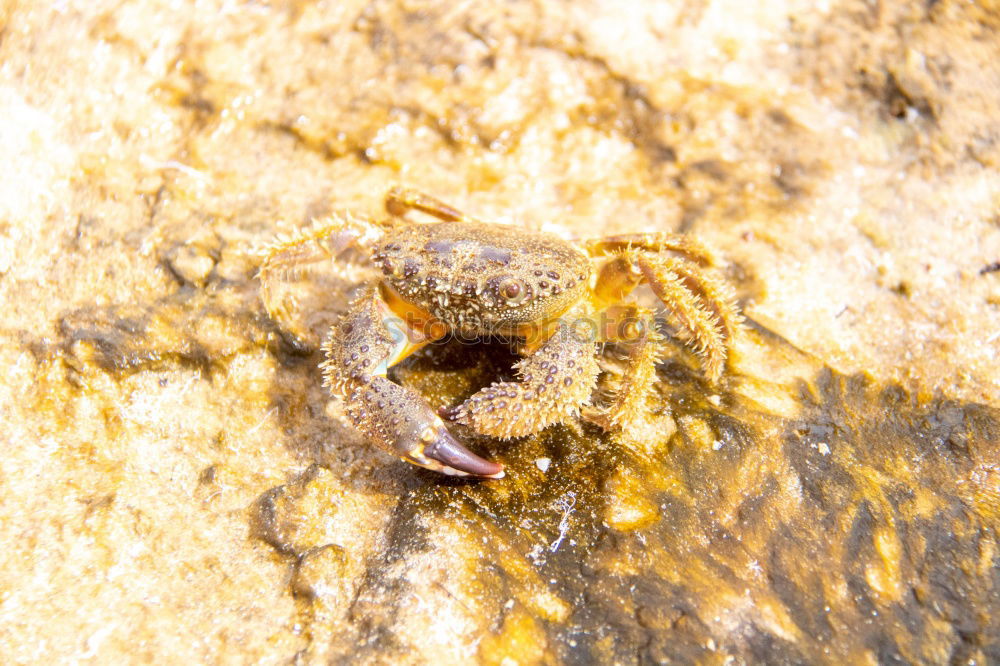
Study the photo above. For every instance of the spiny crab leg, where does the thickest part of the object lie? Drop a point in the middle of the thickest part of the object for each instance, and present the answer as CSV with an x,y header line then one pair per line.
x,y
673,267
636,327
699,304
554,382
368,340
652,242
293,257
323,240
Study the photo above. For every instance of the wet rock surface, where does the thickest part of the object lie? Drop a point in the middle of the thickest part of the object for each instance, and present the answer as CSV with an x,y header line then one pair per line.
x,y
177,486
861,525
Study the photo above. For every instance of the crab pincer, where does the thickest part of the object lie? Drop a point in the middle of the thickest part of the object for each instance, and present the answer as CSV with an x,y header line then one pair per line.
x,y
359,350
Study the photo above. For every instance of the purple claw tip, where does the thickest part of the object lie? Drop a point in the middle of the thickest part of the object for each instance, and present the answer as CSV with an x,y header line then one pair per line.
x,y
448,451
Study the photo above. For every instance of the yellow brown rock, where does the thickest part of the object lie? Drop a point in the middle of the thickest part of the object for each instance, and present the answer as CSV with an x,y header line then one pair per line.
x,y
832,498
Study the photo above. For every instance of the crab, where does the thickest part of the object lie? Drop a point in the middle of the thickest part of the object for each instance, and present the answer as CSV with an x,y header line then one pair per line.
x,y
557,301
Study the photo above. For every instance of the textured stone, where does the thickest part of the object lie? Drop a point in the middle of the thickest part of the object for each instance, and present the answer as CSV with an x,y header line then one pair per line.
x,y
178,488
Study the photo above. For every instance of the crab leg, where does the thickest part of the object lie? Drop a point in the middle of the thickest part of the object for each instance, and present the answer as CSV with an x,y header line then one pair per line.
x,y
292,258
698,303
615,280
652,242
399,200
359,350
555,381
638,377
324,240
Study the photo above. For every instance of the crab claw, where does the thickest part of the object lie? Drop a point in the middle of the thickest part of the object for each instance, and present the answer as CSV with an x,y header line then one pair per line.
x,y
440,451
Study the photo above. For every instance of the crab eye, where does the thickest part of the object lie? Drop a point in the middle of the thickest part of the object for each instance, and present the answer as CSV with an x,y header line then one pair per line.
x,y
512,290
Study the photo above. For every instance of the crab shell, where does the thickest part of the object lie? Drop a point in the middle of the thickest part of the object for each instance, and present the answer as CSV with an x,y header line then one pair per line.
x,y
480,279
